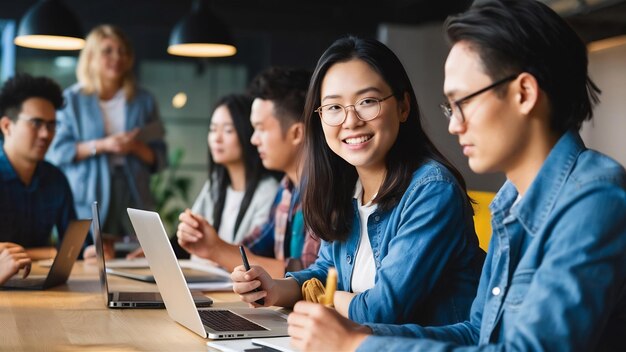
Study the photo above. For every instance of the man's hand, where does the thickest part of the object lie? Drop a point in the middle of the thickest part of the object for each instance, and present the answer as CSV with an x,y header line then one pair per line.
x,y
13,257
314,327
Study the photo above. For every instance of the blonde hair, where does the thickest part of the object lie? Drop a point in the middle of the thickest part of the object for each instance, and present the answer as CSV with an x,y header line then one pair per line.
x,y
86,72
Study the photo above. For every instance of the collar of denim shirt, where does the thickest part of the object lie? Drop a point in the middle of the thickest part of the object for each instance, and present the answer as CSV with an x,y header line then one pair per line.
x,y
533,209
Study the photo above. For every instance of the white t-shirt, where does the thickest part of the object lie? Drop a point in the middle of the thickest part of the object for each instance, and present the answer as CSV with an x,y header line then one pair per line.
x,y
232,203
114,116
364,271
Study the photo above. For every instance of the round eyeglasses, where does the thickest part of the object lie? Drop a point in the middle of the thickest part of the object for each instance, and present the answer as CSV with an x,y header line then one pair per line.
x,y
38,123
366,109
453,109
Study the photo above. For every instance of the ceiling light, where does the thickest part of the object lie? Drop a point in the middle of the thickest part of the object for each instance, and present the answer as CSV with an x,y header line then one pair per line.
x,y
179,100
607,43
50,25
201,34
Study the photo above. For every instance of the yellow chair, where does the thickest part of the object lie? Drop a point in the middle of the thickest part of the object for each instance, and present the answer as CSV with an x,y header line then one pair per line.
x,y
482,216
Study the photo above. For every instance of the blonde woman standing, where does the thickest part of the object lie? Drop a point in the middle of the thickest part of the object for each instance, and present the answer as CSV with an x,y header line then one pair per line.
x,y
110,136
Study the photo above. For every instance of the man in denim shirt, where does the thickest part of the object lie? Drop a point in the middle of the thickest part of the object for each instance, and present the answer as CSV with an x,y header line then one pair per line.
x,y
34,194
555,274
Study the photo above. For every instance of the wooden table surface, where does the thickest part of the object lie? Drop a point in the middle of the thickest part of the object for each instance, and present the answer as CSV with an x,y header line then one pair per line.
x,y
73,317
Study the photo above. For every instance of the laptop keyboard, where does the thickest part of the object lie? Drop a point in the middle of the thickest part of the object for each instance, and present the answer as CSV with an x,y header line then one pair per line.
x,y
225,320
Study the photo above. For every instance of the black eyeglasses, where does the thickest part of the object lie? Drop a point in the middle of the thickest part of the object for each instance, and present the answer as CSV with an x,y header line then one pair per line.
x,y
37,123
366,109
454,109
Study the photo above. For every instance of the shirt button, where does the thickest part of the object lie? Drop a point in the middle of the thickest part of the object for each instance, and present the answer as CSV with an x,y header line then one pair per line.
x,y
496,291
377,218
349,259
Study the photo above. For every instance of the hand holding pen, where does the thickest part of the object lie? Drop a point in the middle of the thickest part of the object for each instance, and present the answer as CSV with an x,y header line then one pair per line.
x,y
246,265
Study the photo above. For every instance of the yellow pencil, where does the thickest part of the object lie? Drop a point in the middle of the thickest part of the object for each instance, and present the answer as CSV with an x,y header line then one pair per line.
x,y
331,287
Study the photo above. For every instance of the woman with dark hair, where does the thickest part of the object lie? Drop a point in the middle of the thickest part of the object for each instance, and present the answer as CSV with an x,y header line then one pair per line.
x,y
238,194
393,212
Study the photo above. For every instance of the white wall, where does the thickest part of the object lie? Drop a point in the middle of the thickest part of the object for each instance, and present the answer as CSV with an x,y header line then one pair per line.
x,y
423,51
607,131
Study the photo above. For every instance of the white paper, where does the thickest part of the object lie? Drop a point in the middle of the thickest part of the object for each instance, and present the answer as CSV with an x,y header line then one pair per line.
x,y
138,263
211,286
231,345
282,344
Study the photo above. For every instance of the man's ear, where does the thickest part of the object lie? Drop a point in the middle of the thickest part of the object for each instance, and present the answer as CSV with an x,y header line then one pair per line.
x,y
5,124
528,92
296,133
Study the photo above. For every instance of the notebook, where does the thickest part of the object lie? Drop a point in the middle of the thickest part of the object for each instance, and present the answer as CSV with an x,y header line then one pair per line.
x,y
214,323
268,344
282,344
59,272
128,299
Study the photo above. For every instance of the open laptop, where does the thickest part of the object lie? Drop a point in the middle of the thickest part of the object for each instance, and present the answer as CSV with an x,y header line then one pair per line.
x,y
128,299
59,272
192,276
214,323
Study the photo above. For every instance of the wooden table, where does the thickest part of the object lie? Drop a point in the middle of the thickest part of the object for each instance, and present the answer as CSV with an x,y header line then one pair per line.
x,y
73,317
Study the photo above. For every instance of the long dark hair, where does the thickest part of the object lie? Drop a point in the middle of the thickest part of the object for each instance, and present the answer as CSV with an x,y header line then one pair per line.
x,y
238,106
329,180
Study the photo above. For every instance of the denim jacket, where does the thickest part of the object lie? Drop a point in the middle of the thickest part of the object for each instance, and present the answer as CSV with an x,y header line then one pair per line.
x,y
555,274
425,251
81,120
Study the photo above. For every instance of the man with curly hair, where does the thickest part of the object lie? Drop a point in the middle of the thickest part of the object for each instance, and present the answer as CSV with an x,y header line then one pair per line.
x,y
35,196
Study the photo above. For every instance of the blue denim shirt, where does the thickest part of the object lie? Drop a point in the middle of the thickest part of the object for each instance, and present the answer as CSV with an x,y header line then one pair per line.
x,y
81,120
425,251
28,213
555,274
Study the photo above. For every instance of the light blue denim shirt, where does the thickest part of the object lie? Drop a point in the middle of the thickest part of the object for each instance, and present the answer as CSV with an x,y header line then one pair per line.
x,y
555,274
425,251
81,120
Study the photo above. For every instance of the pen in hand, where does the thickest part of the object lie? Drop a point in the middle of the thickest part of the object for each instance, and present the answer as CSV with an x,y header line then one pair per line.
x,y
246,265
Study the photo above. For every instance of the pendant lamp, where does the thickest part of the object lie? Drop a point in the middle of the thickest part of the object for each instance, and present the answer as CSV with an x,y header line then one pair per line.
x,y
201,34
50,25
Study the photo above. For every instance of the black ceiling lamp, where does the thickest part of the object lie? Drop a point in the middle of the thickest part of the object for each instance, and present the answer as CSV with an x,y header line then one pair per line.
x,y
201,34
50,25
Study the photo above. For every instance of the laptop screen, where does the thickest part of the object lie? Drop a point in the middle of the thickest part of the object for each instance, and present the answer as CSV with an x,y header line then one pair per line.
x,y
97,240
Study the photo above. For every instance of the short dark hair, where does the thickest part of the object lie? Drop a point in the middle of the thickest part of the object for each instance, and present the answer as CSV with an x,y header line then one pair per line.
x,y
512,36
286,88
22,87
330,216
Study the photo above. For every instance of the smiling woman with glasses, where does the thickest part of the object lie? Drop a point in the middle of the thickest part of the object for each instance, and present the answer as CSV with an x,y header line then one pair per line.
x,y
454,110
392,211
